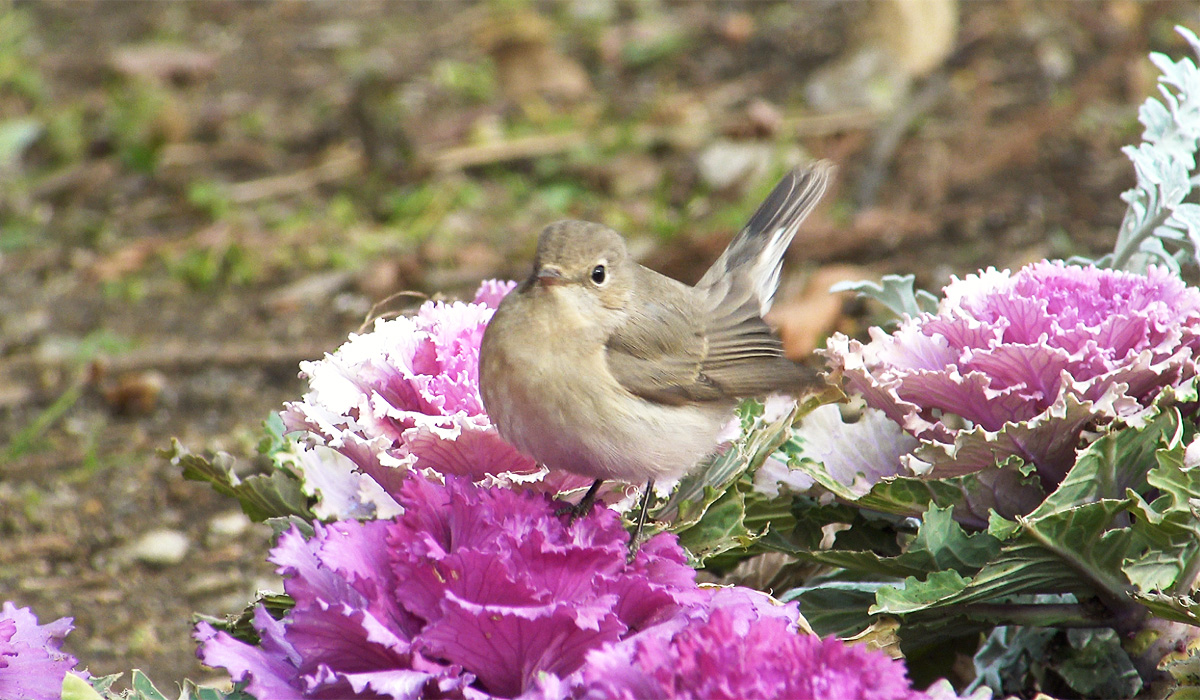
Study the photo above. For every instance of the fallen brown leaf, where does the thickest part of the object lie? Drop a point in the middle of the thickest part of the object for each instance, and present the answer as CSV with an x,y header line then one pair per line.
x,y
806,318
527,64
135,393
162,63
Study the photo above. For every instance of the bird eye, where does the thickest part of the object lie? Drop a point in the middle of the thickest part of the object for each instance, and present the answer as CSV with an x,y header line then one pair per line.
x,y
599,274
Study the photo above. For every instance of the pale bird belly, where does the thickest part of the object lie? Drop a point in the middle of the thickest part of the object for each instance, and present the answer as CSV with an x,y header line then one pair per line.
x,y
647,442
595,428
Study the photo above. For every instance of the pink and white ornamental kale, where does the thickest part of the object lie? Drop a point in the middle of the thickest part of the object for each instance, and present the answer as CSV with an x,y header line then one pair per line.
x,y
729,657
485,593
1022,364
471,593
405,397
32,663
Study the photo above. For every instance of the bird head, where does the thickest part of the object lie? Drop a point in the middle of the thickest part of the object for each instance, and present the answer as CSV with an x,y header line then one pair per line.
x,y
584,263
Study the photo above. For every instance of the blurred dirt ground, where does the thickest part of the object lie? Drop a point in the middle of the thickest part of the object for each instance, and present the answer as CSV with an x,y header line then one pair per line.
x,y
195,196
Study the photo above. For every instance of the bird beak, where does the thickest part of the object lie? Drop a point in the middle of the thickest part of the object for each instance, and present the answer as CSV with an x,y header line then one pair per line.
x,y
549,276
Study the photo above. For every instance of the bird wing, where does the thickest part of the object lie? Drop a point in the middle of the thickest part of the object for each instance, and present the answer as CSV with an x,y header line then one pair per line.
x,y
658,352
666,353
710,343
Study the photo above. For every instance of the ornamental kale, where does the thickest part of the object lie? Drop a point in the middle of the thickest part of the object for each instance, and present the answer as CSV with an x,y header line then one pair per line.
x,y
1020,365
472,592
32,663
726,657
406,397
483,593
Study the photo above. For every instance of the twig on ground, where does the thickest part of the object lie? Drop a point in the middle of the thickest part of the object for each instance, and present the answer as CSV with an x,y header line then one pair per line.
x,y
459,157
337,166
811,125
176,354
892,132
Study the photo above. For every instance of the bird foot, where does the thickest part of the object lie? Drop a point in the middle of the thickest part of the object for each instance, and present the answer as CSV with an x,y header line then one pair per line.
x,y
635,540
635,545
575,511
583,507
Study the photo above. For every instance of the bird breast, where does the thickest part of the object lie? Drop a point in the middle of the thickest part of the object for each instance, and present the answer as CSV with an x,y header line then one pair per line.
x,y
547,387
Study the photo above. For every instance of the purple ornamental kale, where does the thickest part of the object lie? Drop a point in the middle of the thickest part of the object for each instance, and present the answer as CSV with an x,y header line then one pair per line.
x,y
1021,364
340,491
471,593
32,663
728,657
406,397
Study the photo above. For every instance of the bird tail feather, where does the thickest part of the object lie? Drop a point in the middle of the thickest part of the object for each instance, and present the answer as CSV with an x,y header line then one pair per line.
x,y
756,253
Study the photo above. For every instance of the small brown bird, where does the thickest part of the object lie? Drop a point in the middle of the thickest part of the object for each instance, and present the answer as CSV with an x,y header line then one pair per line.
x,y
601,367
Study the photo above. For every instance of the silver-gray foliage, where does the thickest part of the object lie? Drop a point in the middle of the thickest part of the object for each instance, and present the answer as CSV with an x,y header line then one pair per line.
x,y
1160,227
895,292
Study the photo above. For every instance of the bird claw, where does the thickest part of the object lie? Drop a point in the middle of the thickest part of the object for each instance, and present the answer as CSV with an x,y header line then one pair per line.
x,y
575,511
583,507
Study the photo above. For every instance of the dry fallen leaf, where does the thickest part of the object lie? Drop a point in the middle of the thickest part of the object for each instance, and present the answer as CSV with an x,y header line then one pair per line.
x,y
163,64
737,28
528,66
900,41
135,393
919,34
806,318
880,636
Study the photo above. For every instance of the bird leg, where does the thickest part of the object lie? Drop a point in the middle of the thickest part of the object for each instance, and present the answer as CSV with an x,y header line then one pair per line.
x,y
584,505
635,541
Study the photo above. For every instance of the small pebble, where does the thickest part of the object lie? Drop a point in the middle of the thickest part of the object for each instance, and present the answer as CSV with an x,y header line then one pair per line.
x,y
737,27
160,547
231,523
725,164
212,583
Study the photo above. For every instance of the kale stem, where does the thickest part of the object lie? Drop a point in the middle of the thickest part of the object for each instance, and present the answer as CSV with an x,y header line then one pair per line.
x,y
1126,615
1187,578
1038,615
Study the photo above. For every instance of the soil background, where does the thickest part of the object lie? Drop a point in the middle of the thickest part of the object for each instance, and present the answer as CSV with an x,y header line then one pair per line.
x,y
196,196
